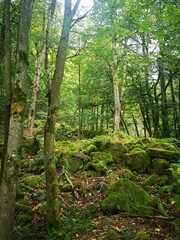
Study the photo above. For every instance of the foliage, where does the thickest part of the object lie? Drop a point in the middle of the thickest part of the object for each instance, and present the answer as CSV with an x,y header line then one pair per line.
x,y
72,222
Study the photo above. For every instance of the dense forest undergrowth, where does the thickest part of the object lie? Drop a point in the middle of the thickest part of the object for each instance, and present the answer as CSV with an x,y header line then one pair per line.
x,y
111,187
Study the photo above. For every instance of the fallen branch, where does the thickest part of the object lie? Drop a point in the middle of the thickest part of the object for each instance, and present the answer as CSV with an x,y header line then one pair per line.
x,y
126,215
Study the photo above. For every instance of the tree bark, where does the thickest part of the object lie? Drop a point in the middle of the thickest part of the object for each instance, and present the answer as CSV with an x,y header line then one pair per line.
x,y
13,154
164,107
115,85
52,199
7,78
37,76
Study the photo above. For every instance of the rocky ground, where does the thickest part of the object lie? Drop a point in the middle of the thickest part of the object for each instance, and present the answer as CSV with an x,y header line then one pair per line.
x,y
87,170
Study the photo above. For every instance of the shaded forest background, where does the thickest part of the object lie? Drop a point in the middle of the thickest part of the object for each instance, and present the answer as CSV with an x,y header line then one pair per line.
x,y
145,36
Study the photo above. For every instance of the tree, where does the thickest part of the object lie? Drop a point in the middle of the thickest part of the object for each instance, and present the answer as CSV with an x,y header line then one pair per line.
x,y
13,153
49,134
38,73
7,77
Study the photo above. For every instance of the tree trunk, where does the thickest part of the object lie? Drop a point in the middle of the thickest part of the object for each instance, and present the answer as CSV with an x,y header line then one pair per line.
x,y
115,85
52,199
149,105
175,109
7,78
37,76
164,107
123,78
13,154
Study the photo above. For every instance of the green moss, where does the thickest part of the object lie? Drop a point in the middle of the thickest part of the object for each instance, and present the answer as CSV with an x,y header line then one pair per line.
x,y
138,160
165,154
127,196
111,235
142,235
125,173
99,162
23,219
161,207
101,142
151,180
32,181
160,165
163,181
117,150
66,187
106,158
72,164
23,208
176,187
91,148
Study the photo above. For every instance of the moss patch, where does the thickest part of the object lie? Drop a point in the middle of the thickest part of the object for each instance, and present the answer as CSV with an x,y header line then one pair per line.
x,y
160,165
151,180
99,163
138,160
165,154
125,195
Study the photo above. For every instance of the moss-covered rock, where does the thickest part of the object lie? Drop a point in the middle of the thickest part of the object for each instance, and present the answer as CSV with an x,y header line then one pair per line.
x,y
164,154
151,180
23,208
90,148
72,164
160,165
164,180
32,181
142,235
66,187
118,151
111,235
101,142
138,160
99,162
126,173
125,195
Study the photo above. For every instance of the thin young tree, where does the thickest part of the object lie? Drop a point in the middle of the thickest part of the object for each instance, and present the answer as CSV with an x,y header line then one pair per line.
x,y
53,102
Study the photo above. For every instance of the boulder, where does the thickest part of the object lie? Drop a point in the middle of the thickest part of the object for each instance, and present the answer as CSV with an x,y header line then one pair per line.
x,y
138,160
160,165
151,180
125,195
99,162
172,156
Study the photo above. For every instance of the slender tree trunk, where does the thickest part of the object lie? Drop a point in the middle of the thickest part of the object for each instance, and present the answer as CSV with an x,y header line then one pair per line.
x,y
123,77
79,103
136,126
13,155
175,109
149,104
164,107
52,199
38,74
7,78
115,85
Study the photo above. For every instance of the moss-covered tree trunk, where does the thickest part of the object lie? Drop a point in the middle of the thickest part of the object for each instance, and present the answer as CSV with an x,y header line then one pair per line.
x,y
13,153
50,168
7,77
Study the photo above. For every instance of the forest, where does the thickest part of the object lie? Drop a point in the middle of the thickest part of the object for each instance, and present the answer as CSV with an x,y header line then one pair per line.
x,y
90,120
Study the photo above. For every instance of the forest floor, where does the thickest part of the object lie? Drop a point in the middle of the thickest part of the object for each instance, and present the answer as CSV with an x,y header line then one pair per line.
x,y
81,218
